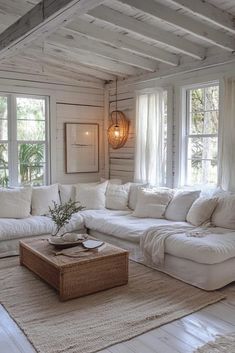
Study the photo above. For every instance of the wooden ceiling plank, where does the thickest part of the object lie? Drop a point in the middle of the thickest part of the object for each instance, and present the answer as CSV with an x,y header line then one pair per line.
x,y
208,12
62,54
40,56
123,21
183,22
93,60
58,65
118,40
70,78
66,38
40,21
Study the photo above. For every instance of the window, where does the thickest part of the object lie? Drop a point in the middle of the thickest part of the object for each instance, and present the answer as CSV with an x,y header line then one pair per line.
x,y
23,140
202,134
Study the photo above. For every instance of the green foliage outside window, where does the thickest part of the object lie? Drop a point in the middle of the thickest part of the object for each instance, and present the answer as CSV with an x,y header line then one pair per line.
x,y
203,122
31,136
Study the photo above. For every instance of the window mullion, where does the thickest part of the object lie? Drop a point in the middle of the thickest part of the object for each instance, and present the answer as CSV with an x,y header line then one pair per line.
x,y
12,137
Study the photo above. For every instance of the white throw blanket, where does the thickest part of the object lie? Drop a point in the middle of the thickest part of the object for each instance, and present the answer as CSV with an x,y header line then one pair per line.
x,y
152,243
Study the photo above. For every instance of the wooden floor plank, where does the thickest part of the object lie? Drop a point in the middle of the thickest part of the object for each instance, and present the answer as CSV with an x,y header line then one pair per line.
x,y
120,348
177,330
6,344
222,311
14,334
172,341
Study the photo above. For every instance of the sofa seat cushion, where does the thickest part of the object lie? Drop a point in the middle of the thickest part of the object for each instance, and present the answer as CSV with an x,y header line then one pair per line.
x,y
215,247
121,224
34,225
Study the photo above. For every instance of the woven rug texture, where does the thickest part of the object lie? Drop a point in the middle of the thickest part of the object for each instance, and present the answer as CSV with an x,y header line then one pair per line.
x,y
223,344
94,322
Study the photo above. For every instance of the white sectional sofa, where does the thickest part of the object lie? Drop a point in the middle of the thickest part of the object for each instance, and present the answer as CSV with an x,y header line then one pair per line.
x,y
196,235
206,262
22,216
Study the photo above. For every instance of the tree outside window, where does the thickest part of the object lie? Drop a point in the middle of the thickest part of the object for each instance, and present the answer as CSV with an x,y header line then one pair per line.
x,y
23,142
202,135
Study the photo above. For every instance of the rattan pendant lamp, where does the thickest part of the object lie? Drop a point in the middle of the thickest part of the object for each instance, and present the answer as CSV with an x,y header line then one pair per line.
x,y
119,127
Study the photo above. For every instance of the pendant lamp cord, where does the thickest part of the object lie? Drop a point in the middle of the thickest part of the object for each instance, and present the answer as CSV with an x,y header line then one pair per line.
x,y
116,101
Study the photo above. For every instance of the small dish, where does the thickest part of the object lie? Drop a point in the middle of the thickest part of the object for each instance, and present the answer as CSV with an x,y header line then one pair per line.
x,y
59,243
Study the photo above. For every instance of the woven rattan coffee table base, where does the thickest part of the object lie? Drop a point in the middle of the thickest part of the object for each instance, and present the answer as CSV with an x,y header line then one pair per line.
x,y
75,277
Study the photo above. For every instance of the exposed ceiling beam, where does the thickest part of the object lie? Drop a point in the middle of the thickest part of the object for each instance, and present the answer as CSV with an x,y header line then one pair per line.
x,y
76,40
123,21
119,40
93,60
208,12
41,56
40,21
184,22
73,41
210,62
79,59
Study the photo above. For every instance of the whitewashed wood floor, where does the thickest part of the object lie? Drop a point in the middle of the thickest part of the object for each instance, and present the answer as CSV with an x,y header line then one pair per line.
x,y
180,336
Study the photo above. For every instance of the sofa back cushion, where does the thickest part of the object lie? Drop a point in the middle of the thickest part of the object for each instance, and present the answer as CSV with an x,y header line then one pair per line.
x,y
15,203
67,192
179,206
43,197
92,197
133,194
117,196
152,203
201,210
224,214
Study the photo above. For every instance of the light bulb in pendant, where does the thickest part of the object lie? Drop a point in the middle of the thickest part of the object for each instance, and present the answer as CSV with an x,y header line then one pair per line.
x,y
116,131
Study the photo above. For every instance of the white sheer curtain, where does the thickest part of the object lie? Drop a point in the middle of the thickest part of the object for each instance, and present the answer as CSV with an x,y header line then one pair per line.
x,y
227,148
149,151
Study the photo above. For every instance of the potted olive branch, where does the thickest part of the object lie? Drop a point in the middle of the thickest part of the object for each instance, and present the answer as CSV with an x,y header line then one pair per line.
x,y
62,213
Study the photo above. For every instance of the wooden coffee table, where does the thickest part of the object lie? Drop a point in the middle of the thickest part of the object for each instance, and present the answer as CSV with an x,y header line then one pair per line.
x,y
74,277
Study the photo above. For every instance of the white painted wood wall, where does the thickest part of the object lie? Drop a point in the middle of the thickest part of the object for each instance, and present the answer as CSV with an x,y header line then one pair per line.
x,y
122,160
68,103
77,113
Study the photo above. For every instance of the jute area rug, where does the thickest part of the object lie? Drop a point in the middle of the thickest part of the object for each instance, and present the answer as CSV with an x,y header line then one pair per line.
x,y
223,344
92,323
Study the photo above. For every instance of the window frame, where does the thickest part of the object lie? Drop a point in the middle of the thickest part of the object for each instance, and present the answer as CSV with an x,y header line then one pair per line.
x,y
12,140
186,127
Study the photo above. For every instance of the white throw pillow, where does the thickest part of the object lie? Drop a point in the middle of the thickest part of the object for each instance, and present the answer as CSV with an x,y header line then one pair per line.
x,y
133,194
111,181
201,210
117,196
152,203
67,192
224,214
179,206
43,197
15,203
92,197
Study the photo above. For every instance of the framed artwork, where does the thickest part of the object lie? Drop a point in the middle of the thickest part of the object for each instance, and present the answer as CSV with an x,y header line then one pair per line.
x,y
81,148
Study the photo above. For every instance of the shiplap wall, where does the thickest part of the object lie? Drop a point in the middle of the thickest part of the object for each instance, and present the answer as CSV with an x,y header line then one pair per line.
x,y
75,113
68,103
121,162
